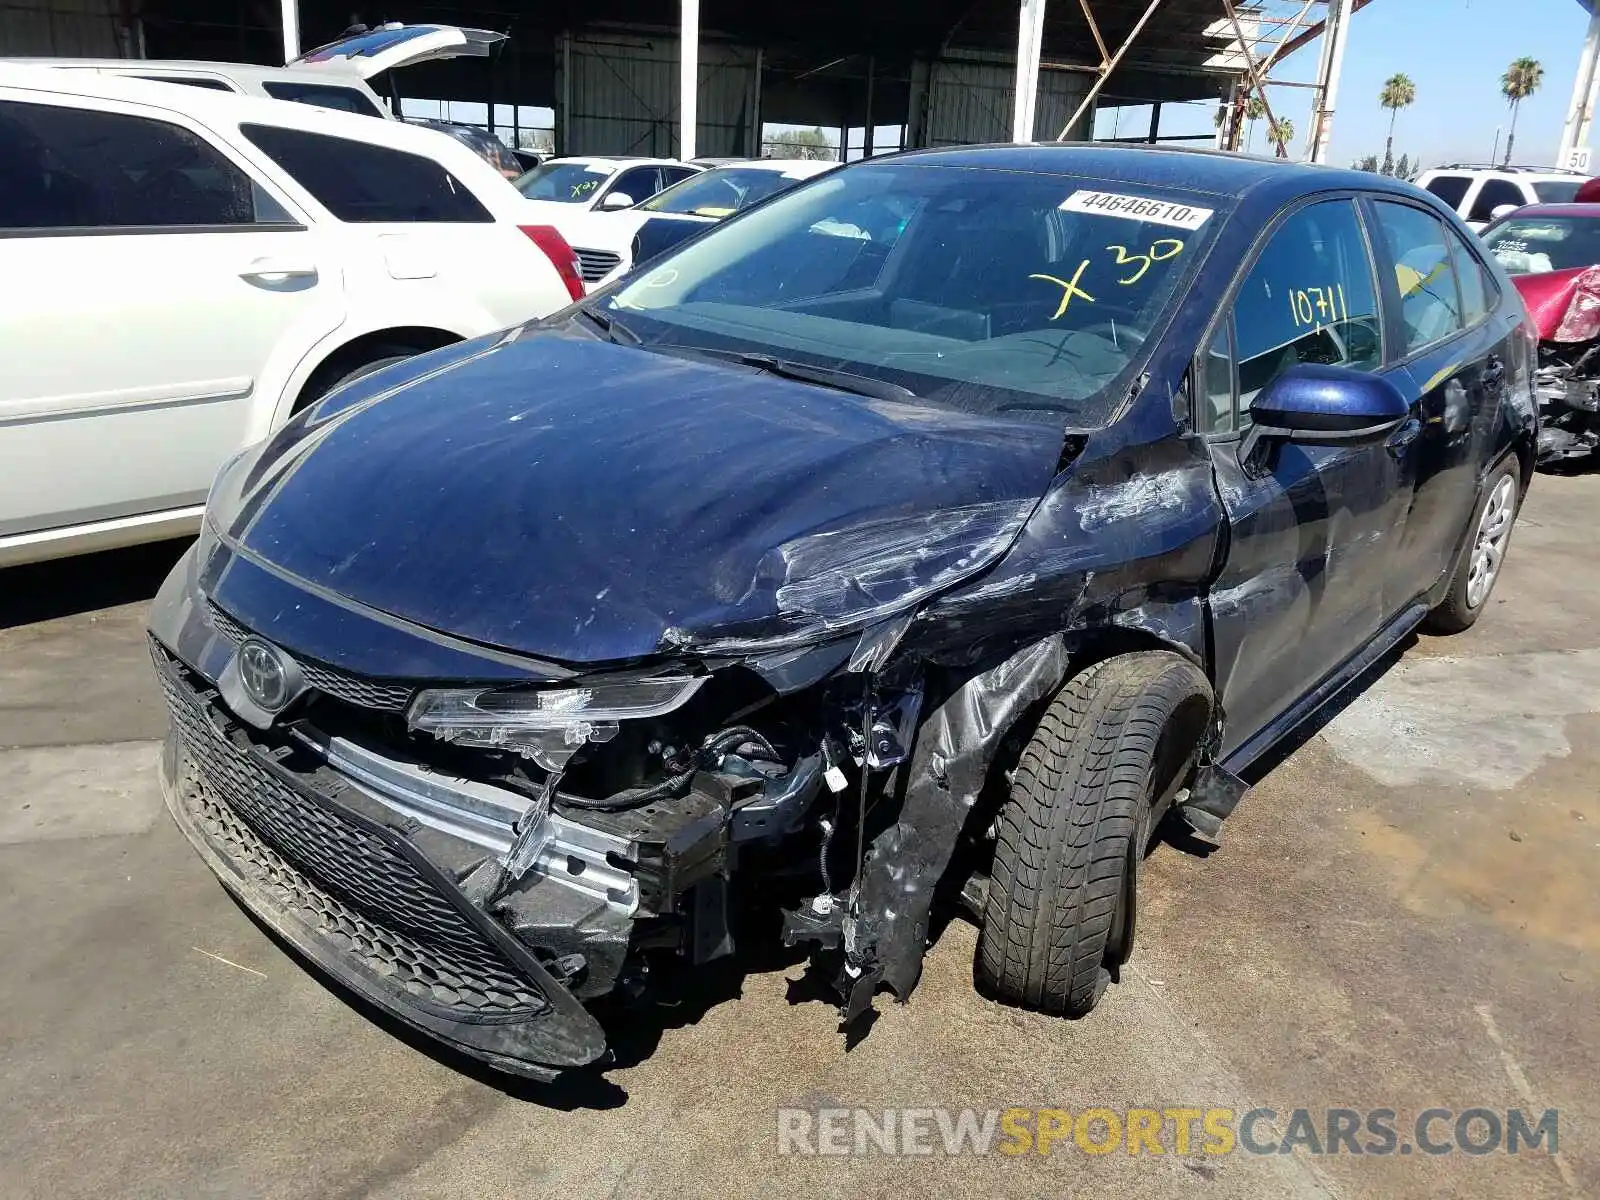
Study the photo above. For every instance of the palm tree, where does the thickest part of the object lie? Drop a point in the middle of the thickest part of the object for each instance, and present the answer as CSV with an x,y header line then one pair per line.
x,y
1521,80
1254,109
1398,92
1280,134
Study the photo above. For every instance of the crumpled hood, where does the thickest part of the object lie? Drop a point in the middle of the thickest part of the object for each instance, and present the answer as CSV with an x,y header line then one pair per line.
x,y
577,500
1548,295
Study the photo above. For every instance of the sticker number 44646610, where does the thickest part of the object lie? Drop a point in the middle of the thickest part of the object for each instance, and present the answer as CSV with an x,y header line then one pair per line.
x,y
1137,208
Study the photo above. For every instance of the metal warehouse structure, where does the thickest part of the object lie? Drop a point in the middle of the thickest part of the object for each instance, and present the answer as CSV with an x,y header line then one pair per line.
x,y
616,76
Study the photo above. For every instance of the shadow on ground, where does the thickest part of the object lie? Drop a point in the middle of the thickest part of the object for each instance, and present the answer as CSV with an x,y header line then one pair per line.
x,y
64,587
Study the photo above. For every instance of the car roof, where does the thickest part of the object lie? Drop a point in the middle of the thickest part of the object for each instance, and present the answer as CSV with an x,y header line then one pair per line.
x,y
798,167
1221,172
604,160
156,66
1508,172
1555,210
232,108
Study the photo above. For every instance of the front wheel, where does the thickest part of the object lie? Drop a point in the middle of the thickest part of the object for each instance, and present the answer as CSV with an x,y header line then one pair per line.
x,y
1106,759
1478,562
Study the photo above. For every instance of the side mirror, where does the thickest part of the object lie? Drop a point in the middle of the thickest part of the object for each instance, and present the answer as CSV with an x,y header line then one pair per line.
x,y
617,200
1500,210
1318,405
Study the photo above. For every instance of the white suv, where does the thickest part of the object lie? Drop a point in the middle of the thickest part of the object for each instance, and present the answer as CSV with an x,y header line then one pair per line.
x,y
184,269
331,76
1482,193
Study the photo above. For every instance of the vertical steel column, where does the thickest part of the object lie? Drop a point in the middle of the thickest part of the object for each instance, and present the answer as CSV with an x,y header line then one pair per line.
x,y
1030,38
688,77
291,30
866,133
1333,32
1575,133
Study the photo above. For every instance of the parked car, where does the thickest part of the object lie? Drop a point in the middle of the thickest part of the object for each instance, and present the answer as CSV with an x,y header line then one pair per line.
x,y
609,243
967,510
185,269
1552,252
563,190
481,142
332,76
1480,194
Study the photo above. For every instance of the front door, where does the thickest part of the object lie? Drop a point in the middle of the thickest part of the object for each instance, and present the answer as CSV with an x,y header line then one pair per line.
x,y
1314,531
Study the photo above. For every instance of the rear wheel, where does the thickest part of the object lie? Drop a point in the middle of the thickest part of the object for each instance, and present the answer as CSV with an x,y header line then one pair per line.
x,y
336,375
1105,761
1477,565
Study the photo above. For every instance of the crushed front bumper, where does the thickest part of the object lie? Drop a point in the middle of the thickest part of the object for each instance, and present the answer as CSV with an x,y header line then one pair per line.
x,y
344,879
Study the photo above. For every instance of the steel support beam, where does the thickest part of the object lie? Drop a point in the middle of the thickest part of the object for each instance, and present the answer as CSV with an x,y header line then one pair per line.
x,y
1337,27
291,30
688,77
1030,39
1257,81
1580,111
1109,66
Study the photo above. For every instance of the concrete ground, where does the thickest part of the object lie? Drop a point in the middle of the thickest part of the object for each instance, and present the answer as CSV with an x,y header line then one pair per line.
x,y
1405,915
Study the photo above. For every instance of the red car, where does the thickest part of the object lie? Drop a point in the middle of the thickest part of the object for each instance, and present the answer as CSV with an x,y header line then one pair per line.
x,y
1552,253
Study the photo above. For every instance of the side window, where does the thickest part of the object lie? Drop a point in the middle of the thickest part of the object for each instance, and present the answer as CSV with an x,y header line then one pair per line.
x,y
1430,305
199,81
1475,287
676,174
639,183
1452,189
1494,194
1214,400
78,168
1309,298
360,182
322,95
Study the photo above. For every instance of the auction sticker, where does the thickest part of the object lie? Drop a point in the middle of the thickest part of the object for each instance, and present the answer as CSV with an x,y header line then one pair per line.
x,y
1137,208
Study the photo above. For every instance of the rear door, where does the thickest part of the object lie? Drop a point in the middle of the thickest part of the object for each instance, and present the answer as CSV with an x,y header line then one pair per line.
x,y
421,247
150,279
1458,353
1314,542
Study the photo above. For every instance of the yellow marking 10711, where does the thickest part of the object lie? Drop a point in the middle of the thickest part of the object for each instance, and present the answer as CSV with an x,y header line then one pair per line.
x,y
1068,290
1160,250
1318,305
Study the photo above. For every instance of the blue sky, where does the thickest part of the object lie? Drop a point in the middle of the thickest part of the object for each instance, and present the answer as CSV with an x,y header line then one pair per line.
x,y
1455,52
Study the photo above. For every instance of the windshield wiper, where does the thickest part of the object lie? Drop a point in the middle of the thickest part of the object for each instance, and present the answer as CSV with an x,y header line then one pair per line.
x,y
844,381
614,330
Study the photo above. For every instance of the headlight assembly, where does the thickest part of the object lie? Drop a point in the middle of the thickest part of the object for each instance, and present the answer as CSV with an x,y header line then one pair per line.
x,y
547,725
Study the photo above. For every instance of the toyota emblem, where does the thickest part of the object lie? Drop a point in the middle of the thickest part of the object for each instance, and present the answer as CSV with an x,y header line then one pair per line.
x,y
263,674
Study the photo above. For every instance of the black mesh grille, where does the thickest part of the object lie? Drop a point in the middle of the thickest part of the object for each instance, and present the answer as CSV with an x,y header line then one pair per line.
x,y
347,883
595,265
352,689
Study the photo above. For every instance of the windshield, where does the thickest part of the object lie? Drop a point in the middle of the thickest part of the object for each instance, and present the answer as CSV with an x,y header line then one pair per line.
x,y
564,182
720,192
1557,191
1533,245
991,291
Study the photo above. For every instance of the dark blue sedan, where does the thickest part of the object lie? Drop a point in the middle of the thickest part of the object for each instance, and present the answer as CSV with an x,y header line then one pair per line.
x,y
928,533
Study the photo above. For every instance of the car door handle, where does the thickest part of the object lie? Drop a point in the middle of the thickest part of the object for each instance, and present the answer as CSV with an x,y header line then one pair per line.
x,y
1400,440
278,270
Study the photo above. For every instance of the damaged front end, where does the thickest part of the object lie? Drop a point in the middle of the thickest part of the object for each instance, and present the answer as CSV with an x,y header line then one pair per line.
x,y
483,861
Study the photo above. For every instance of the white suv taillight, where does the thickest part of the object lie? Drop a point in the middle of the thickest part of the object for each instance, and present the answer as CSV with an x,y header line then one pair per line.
x,y
548,238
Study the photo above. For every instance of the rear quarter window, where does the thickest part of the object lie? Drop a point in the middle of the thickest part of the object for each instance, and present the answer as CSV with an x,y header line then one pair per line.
x,y
1452,189
362,183
322,95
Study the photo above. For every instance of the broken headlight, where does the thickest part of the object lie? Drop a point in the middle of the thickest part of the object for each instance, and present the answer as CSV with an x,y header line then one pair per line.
x,y
547,725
